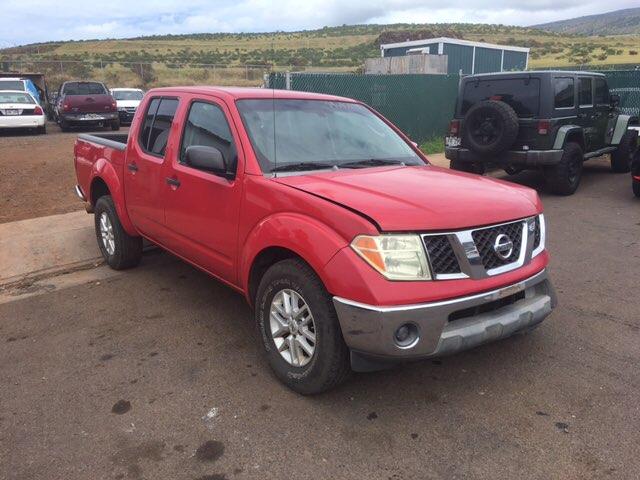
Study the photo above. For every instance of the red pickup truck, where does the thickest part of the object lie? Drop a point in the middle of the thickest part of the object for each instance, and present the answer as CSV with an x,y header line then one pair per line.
x,y
352,249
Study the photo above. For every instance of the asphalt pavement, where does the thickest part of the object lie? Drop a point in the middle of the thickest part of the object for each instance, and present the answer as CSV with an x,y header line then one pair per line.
x,y
156,373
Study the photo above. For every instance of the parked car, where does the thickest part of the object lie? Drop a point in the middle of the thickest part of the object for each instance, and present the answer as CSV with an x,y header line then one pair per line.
x,y
22,85
85,104
548,120
18,109
127,101
351,248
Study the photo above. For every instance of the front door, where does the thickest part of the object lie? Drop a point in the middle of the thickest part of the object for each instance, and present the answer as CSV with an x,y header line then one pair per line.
x,y
143,172
586,113
201,208
603,112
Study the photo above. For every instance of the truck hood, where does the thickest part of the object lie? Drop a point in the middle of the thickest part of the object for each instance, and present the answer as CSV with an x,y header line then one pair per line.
x,y
420,198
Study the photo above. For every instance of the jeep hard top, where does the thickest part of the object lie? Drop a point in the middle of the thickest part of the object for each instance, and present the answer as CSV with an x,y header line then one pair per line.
x,y
548,120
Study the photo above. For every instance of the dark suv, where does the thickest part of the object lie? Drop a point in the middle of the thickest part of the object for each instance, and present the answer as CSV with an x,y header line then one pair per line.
x,y
548,120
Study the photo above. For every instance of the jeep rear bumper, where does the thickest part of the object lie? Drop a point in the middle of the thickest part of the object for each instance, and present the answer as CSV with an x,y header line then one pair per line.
x,y
524,158
448,326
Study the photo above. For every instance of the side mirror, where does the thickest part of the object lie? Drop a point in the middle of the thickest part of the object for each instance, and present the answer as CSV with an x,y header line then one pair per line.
x,y
614,100
209,159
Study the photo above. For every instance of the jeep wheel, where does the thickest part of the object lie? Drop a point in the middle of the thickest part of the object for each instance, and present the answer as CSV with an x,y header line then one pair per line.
x,y
299,329
621,158
636,186
490,127
470,167
119,249
564,177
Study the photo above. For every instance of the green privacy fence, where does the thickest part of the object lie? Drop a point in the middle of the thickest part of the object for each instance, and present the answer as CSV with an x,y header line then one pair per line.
x,y
626,83
420,105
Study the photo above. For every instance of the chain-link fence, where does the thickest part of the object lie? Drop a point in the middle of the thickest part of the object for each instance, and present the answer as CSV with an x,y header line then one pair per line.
x,y
420,105
139,74
626,84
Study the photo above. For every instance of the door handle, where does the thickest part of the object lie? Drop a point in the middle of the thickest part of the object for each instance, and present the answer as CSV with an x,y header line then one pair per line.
x,y
174,182
132,167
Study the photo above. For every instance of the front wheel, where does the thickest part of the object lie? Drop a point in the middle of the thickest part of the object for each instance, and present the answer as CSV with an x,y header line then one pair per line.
x,y
564,177
119,249
621,158
299,329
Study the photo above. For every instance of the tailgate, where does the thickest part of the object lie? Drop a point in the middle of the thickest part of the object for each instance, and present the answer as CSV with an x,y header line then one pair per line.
x,y
89,103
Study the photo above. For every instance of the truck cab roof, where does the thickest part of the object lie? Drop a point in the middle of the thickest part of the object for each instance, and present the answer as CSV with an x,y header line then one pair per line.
x,y
237,93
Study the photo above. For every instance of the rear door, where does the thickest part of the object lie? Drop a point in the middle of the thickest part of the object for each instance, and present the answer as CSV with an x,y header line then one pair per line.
x,y
201,208
143,177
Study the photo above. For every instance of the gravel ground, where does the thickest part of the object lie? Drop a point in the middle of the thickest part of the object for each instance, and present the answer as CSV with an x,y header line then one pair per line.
x,y
156,373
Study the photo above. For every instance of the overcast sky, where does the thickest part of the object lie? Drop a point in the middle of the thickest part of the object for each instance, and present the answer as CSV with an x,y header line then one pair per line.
x,y
28,21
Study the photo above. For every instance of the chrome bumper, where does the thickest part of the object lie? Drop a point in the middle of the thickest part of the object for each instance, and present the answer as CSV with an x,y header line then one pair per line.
x,y
369,329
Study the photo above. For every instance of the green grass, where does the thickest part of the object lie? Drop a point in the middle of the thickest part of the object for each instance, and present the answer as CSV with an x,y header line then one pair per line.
x,y
433,145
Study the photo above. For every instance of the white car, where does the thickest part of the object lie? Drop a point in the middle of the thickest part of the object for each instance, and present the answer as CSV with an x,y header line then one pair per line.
x,y
20,110
127,101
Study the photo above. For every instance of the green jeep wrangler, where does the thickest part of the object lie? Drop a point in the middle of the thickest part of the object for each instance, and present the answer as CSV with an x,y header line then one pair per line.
x,y
547,120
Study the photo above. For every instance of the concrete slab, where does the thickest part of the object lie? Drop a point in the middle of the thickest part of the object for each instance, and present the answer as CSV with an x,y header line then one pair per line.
x,y
46,245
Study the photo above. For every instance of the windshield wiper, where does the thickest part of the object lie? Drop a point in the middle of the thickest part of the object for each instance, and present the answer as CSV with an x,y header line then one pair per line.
x,y
371,162
298,167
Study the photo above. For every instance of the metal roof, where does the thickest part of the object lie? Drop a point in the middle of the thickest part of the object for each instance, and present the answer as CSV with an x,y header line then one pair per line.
x,y
453,41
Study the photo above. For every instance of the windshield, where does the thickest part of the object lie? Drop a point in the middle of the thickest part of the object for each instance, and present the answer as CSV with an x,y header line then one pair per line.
x,y
84,88
11,85
15,97
522,94
294,134
127,94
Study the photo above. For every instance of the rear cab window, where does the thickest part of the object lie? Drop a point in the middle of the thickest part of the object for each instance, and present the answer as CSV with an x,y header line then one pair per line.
x,y
156,128
84,88
522,94
564,92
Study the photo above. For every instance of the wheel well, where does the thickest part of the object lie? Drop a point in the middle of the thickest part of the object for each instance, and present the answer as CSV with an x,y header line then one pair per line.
x,y
98,189
575,137
263,261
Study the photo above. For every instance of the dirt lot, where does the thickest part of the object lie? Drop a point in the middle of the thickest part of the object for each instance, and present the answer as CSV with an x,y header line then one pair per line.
x,y
156,373
37,175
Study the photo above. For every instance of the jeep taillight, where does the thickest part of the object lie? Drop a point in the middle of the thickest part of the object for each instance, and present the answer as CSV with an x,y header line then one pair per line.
x,y
454,128
543,127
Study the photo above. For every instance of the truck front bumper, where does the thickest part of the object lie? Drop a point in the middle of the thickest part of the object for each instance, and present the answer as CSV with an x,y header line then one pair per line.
x,y
524,158
445,327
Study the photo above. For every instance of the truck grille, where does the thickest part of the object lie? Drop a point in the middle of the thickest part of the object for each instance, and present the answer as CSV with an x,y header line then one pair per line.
x,y
443,259
486,238
472,253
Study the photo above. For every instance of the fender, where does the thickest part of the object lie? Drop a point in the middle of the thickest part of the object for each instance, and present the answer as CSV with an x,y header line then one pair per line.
x,y
105,171
618,128
563,133
315,242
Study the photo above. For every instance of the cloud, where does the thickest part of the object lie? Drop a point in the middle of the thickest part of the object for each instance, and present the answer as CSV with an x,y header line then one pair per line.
x,y
44,20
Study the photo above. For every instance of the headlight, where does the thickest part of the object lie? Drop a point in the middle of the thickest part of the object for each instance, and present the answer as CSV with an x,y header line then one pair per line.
x,y
540,235
397,257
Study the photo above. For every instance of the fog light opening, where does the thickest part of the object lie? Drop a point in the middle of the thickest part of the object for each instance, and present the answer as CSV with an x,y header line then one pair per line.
x,y
406,335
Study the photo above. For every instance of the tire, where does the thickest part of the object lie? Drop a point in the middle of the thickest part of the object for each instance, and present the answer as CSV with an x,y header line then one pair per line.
x,y
64,125
622,156
635,184
115,125
127,250
469,167
328,365
564,177
490,127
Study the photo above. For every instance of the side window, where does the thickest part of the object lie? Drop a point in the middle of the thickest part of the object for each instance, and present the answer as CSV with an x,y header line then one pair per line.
x,y
602,92
563,87
207,125
585,97
148,121
162,126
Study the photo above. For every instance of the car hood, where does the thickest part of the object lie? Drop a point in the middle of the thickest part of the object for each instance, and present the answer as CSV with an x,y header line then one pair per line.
x,y
420,198
127,103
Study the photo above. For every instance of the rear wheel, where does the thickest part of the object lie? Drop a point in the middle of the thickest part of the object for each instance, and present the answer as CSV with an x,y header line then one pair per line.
x,y
64,125
470,167
299,329
623,155
119,249
115,125
564,177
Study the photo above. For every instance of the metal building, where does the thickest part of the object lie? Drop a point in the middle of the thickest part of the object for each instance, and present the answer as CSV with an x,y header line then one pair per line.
x,y
464,56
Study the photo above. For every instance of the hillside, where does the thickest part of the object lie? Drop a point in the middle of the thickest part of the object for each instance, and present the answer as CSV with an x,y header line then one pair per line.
x,y
242,59
620,22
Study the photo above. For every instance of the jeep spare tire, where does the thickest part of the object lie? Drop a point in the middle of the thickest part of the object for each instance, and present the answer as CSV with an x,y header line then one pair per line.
x,y
490,127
